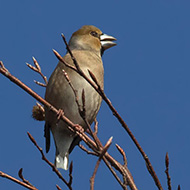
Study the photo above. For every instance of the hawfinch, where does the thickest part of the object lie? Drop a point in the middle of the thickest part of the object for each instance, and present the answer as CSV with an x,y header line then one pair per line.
x,y
87,45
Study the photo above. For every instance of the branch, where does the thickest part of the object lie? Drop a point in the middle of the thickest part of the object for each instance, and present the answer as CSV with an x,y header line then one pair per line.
x,y
87,151
58,188
167,172
82,113
37,69
23,179
123,154
98,162
74,127
81,109
49,163
2,174
97,87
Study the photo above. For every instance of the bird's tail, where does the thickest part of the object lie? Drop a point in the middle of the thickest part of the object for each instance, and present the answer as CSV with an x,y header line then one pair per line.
x,y
62,162
63,143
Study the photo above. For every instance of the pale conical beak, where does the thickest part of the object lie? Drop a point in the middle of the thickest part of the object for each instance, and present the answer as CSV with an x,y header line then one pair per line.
x,y
107,41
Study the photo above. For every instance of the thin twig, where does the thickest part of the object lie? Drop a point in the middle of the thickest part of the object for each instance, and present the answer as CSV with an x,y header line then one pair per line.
x,y
87,151
40,83
95,126
63,61
72,56
114,173
98,162
2,174
70,174
123,154
82,109
37,69
94,174
59,188
167,172
48,162
23,179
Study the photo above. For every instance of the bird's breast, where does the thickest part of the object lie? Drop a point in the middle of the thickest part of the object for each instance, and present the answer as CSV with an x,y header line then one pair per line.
x,y
60,94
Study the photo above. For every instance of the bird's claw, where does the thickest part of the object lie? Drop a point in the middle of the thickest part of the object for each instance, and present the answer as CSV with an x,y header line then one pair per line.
x,y
79,128
59,115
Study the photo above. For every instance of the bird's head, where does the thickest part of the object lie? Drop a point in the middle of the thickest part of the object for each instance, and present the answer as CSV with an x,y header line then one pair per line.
x,y
91,38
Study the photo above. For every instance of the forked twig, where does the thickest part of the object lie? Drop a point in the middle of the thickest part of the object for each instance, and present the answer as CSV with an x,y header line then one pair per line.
x,y
37,69
2,174
23,179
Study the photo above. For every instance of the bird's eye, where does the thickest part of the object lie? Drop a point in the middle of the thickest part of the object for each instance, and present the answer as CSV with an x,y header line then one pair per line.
x,y
95,34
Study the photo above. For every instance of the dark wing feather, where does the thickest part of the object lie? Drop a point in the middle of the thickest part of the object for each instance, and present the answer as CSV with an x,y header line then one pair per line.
x,y
75,142
47,136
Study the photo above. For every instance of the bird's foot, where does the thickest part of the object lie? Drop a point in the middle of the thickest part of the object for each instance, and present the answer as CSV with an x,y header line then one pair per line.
x,y
79,128
59,114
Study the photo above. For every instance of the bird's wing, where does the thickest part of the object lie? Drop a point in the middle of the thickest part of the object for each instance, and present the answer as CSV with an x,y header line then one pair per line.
x,y
47,136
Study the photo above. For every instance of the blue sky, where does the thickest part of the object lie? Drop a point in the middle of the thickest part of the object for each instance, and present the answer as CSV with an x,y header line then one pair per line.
x,y
146,78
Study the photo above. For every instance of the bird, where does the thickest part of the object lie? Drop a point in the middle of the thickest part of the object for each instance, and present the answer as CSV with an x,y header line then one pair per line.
x,y
87,45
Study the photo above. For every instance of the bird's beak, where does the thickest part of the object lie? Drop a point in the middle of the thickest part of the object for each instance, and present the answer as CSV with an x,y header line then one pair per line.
x,y
107,41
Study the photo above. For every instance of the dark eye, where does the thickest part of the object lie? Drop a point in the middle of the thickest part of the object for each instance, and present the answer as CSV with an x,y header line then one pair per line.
x,y
95,34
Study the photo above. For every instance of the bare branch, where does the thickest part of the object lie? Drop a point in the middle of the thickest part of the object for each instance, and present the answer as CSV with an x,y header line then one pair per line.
x,y
32,67
77,128
59,188
98,162
114,173
123,154
2,174
94,174
48,162
167,172
37,69
23,179
63,61
70,174
95,126
40,83
87,151
36,64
